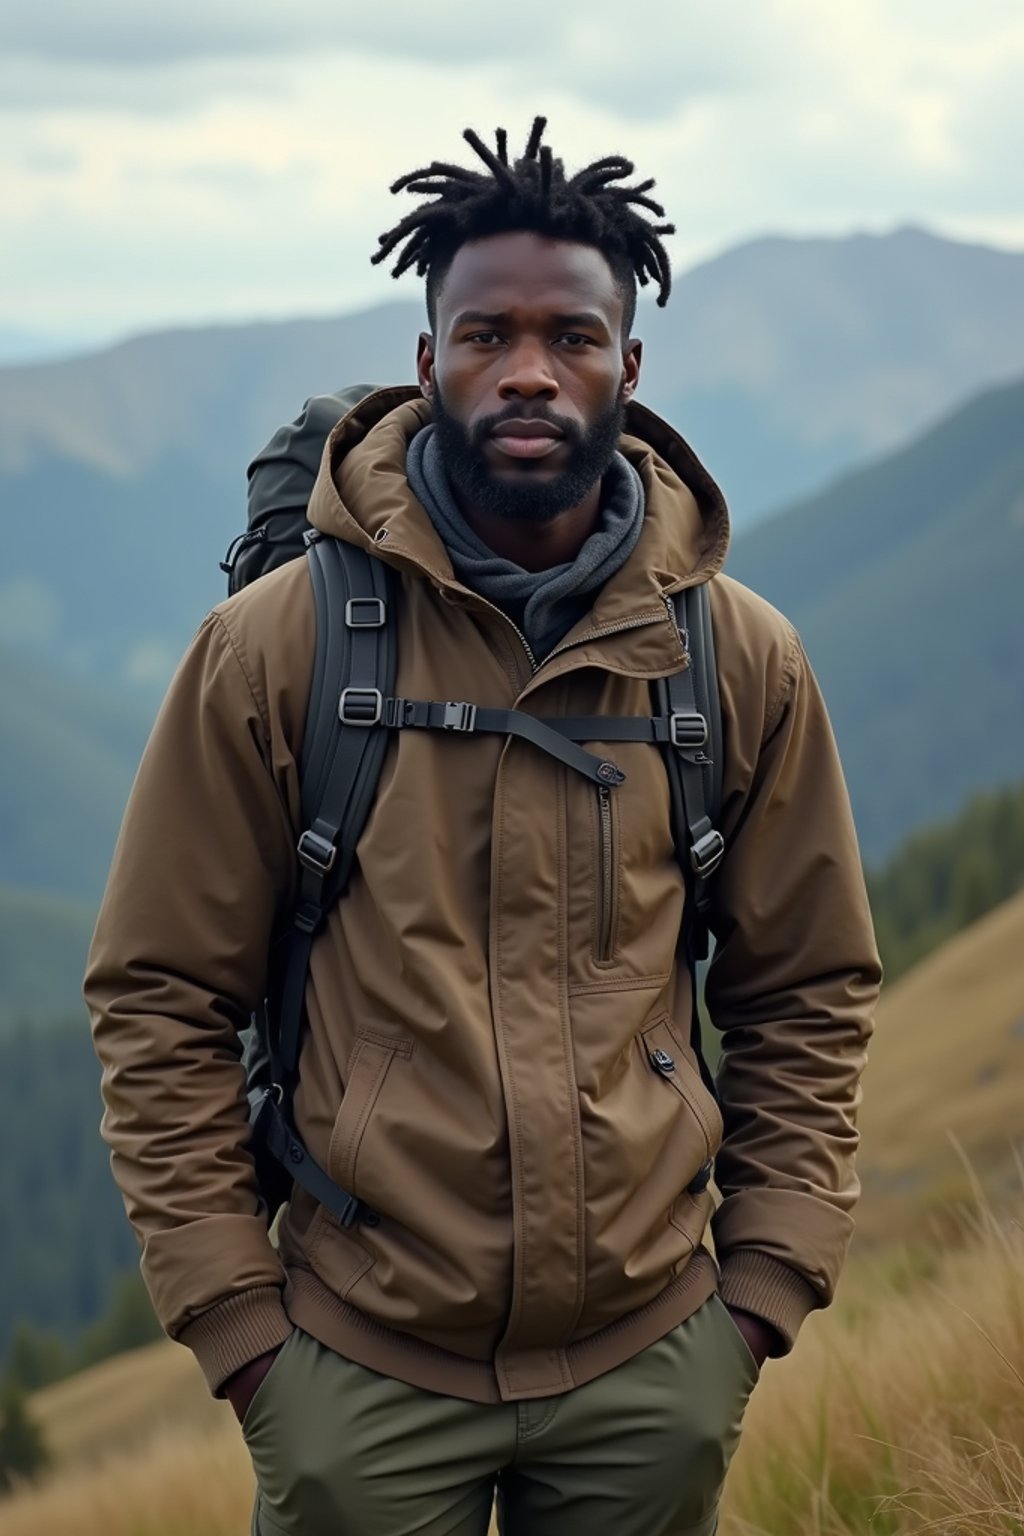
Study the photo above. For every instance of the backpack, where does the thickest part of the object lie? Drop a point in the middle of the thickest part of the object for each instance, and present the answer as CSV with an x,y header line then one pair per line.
x,y
351,714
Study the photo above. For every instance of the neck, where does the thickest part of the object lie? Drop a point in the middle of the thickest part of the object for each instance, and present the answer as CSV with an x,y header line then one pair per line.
x,y
536,546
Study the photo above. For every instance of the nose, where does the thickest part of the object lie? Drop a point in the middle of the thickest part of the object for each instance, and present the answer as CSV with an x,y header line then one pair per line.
x,y
528,373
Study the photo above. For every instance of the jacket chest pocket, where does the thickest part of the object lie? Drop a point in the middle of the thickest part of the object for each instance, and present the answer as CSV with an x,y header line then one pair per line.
x,y
368,1067
607,871
666,1059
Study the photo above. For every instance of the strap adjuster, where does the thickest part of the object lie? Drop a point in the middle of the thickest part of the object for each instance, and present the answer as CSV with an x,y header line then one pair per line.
x,y
706,853
459,717
360,706
316,853
687,731
365,613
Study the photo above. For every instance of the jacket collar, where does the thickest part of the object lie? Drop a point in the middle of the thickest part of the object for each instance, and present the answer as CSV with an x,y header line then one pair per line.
x,y
362,495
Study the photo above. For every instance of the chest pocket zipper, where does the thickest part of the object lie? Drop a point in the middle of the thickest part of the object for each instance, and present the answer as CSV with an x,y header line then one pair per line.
x,y
607,877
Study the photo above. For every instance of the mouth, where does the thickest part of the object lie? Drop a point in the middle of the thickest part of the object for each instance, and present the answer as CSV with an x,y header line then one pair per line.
x,y
520,439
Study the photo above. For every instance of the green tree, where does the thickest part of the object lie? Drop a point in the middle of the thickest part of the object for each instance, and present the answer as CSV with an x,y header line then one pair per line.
x,y
128,1323
36,1357
23,1453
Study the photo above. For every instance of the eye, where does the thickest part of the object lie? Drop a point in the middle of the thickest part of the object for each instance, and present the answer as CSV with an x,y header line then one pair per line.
x,y
577,342
485,338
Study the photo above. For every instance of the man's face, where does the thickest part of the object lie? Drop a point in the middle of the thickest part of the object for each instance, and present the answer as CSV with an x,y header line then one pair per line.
x,y
527,373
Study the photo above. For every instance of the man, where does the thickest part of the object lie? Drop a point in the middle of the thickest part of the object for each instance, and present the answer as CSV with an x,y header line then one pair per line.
x,y
495,1058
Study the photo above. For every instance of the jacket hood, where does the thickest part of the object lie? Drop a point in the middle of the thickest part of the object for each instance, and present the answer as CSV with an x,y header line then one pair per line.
x,y
362,493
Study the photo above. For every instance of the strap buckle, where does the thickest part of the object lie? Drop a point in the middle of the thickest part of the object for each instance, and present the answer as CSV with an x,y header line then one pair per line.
x,y
459,717
365,613
707,853
687,731
316,853
360,706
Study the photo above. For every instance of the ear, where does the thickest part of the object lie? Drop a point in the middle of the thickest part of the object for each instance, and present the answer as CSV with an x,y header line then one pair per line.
x,y
632,354
425,365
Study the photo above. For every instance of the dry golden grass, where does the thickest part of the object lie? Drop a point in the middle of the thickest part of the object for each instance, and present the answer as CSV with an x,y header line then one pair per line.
x,y
183,1482
124,1401
945,1071
901,1414
902,1411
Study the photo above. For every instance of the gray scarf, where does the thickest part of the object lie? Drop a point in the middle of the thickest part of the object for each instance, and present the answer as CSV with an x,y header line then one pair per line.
x,y
545,604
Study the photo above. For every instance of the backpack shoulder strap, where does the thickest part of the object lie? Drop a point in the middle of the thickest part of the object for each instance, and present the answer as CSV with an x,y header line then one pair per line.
x,y
353,670
693,759
694,755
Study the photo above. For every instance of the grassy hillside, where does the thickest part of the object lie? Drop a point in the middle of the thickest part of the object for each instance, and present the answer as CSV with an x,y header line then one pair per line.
x,y
904,1403
947,876
945,1073
900,1412
905,582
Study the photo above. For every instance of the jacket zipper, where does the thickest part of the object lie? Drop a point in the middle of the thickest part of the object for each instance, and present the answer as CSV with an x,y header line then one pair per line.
x,y
606,876
531,658
591,634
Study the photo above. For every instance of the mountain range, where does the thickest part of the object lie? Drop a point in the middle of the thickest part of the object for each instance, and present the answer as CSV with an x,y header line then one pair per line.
x,y
904,579
903,576
784,361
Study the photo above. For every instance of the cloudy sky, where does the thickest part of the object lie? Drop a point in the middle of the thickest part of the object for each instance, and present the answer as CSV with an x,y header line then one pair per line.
x,y
211,161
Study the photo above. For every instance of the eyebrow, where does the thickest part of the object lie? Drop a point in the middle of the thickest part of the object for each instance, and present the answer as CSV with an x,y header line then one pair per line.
x,y
480,317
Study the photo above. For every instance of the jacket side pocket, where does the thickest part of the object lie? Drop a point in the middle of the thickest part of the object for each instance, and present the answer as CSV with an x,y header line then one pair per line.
x,y
672,1061
367,1070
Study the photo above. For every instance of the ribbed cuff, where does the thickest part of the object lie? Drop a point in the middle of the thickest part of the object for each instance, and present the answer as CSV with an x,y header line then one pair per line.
x,y
235,1331
757,1283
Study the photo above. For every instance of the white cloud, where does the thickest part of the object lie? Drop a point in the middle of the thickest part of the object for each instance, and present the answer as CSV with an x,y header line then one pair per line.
x,y
30,613
159,168
150,664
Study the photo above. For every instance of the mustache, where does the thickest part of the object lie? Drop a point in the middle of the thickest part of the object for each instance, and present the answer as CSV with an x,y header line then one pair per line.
x,y
570,430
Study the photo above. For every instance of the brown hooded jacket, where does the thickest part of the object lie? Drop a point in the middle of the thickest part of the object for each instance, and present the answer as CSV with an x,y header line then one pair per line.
x,y
484,1001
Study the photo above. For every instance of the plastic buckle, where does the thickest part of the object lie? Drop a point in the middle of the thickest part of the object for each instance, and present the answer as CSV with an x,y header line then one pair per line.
x,y
459,717
365,613
706,853
350,1212
687,731
316,853
360,706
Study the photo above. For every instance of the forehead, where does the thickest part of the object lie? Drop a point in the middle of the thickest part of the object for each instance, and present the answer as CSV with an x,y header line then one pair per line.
x,y
504,273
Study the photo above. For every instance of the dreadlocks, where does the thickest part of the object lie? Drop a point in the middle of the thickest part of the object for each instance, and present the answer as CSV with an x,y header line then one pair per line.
x,y
533,194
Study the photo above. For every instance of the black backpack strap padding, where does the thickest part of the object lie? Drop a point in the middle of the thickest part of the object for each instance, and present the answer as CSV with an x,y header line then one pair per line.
x,y
695,784
696,611
695,769
355,652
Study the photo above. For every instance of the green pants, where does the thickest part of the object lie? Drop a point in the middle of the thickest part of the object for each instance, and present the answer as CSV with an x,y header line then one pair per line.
x,y
642,1451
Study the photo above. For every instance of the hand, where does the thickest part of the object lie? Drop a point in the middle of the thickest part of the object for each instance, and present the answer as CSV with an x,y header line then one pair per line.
x,y
240,1389
761,1338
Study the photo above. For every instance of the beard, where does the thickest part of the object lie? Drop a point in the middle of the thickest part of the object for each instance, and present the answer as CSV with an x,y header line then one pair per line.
x,y
590,452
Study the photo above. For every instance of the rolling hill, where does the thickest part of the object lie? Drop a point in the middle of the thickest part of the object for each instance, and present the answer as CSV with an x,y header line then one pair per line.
x,y
942,1092
905,582
785,361
946,1061
70,750
903,578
